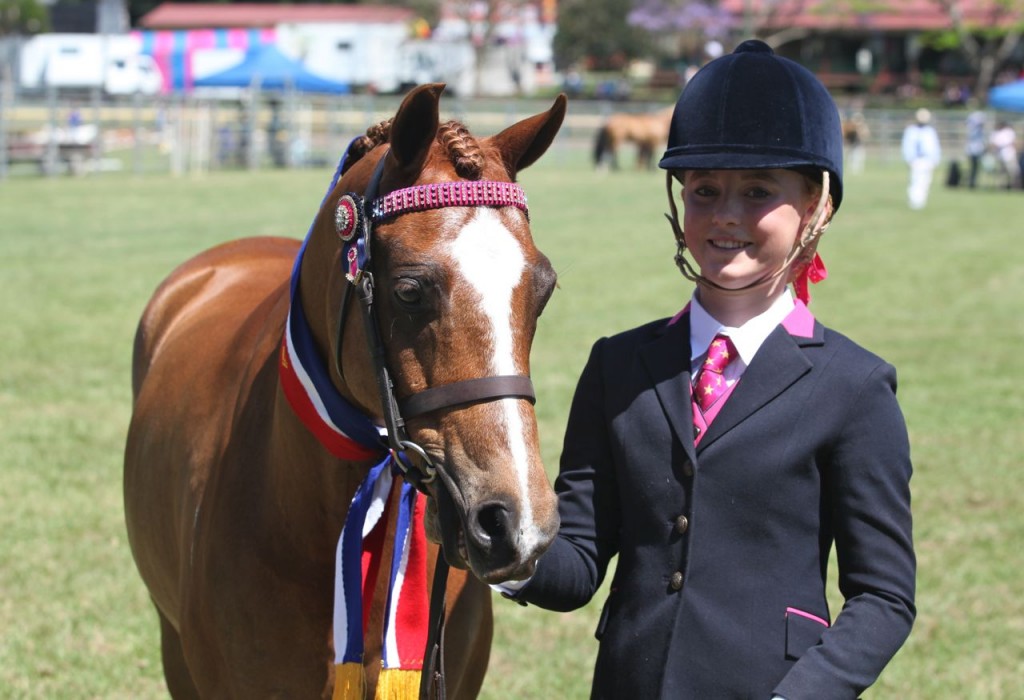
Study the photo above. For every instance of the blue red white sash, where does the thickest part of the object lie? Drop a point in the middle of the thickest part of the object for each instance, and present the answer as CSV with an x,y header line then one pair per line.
x,y
350,435
341,427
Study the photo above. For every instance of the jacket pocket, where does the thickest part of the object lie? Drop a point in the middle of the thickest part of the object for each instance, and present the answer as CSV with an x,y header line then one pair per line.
x,y
803,631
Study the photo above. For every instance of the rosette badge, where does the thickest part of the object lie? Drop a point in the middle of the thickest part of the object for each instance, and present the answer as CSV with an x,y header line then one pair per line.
x,y
346,217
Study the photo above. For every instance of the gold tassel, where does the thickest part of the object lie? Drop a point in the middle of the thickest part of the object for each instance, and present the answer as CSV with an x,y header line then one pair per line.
x,y
398,684
349,681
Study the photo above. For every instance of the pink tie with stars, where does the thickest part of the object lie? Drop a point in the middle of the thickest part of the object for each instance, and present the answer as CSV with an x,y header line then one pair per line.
x,y
710,385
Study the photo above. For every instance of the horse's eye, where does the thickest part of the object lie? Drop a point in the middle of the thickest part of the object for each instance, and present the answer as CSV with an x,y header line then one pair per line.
x,y
409,292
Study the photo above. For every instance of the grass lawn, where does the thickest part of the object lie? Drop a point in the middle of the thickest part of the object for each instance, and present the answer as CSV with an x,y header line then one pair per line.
x,y
938,293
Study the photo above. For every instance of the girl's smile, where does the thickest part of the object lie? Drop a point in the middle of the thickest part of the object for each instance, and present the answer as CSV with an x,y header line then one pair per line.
x,y
727,244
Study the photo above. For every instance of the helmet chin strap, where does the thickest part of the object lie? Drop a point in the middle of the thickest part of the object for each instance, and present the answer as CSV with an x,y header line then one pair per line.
x,y
799,257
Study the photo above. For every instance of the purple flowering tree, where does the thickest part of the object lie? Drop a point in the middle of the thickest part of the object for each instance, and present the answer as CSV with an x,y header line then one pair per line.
x,y
673,16
683,27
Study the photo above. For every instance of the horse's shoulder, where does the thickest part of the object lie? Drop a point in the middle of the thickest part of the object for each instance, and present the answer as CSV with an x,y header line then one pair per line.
x,y
252,251
260,261
217,295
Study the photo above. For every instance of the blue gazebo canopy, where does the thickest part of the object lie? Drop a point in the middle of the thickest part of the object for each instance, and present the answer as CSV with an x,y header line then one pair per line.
x,y
271,70
1009,97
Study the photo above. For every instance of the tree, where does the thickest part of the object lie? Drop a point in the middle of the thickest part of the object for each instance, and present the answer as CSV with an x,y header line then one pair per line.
x,y
690,23
682,15
482,19
986,32
767,20
22,17
988,45
597,31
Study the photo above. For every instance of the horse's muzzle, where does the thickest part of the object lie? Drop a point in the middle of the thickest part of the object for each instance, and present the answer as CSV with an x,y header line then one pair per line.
x,y
485,538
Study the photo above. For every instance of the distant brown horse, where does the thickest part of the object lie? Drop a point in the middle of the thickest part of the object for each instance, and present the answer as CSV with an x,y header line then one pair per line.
x,y
234,507
648,131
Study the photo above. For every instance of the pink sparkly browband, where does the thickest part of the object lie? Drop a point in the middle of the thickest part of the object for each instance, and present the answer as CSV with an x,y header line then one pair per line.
x,y
478,193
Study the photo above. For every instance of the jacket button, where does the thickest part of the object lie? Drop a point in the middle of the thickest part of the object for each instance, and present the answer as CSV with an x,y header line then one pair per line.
x,y
676,581
687,468
681,524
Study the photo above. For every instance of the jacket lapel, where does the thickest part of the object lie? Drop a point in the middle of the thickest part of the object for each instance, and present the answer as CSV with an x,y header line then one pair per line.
x,y
667,359
779,362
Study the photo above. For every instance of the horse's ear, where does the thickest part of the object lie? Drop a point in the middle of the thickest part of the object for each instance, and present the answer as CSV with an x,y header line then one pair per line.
x,y
414,127
524,142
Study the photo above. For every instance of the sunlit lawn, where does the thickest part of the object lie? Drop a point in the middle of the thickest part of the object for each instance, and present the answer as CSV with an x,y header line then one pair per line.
x,y
938,293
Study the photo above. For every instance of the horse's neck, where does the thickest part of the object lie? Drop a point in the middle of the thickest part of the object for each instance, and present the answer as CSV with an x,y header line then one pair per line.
x,y
320,270
304,485
307,490
314,278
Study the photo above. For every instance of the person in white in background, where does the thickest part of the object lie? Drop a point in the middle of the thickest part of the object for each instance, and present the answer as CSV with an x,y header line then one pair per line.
x,y
922,152
1004,143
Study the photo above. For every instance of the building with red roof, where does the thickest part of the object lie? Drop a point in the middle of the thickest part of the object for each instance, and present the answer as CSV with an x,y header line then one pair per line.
x,y
875,46
369,46
180,15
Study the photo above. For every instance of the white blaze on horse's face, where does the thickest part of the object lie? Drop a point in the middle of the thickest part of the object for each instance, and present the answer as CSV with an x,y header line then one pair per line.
x,y
491,259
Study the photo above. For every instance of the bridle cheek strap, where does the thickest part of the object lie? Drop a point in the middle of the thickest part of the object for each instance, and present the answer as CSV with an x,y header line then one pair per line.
x,y
355,216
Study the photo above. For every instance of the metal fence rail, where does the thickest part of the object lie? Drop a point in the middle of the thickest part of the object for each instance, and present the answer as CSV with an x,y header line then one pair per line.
x,y
86,134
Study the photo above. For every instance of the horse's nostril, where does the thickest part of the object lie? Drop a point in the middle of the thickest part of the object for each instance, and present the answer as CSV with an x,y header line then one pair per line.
x,y
493,523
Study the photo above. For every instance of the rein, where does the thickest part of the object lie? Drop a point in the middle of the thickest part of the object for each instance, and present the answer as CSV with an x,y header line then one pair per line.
x,y
355,216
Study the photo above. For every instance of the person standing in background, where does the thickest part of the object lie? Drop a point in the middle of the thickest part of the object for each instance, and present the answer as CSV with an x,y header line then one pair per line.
x,y
855,134
1004,143
976,145
922,152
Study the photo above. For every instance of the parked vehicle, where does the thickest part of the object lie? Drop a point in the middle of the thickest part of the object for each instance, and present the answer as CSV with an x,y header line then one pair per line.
x,y
80,62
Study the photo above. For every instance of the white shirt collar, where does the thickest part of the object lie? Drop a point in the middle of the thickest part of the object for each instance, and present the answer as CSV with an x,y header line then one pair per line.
x,y
747,338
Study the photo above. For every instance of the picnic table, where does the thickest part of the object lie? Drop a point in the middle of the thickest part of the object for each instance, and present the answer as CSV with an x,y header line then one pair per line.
x,y
68,148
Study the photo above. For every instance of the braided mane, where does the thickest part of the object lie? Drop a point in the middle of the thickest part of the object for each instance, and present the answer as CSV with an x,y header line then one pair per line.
x,y
360,146
462,148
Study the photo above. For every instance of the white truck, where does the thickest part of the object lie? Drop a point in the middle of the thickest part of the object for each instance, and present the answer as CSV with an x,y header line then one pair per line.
x,y
113,63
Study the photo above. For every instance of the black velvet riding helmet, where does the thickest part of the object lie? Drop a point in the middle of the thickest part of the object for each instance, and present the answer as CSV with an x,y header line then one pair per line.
x,y
752,109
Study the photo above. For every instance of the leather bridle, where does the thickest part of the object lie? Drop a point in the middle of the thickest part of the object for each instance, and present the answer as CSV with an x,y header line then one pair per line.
x,y
357,236
354,221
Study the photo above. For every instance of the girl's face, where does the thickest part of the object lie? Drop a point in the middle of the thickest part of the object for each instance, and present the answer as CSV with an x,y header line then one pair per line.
x,y
740,225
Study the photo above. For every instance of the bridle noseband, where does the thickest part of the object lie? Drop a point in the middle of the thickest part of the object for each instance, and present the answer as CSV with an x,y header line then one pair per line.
x,y
354,219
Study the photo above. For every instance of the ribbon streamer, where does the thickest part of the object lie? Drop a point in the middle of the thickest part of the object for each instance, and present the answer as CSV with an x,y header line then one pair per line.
x,y
349,434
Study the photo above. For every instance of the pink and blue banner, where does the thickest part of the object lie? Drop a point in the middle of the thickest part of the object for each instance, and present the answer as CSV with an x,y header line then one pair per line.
x,y
173,50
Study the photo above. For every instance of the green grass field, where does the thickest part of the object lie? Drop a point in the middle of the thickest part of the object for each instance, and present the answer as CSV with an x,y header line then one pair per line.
x,y
938,293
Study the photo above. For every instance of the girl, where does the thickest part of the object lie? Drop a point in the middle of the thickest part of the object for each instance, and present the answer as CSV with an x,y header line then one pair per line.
x,y
720,454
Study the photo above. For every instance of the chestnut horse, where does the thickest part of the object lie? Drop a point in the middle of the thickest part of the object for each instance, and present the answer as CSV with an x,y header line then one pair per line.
x,y
648,131
234,507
